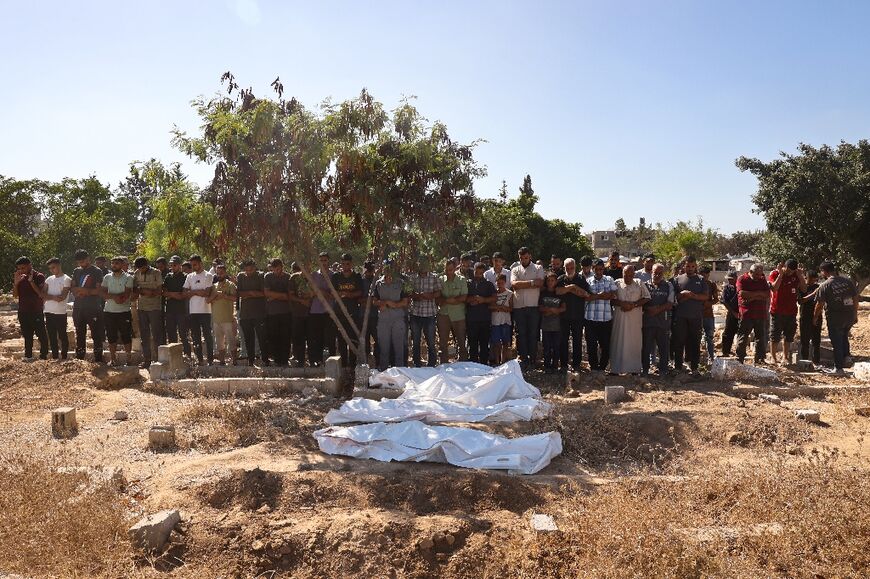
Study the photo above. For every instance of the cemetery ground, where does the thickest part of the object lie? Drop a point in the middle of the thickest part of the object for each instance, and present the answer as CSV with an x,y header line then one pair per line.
x,y
687,477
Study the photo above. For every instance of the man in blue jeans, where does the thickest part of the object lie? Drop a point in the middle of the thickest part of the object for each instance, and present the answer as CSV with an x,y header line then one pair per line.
x,y
426,289
838,297
527,278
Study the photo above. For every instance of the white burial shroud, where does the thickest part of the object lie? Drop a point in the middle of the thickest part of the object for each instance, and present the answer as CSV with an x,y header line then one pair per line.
x,y
461,392
464,447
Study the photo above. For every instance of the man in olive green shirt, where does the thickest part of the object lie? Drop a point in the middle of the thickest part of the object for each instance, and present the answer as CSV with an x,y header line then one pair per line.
x,y
148,290
451,311
222,300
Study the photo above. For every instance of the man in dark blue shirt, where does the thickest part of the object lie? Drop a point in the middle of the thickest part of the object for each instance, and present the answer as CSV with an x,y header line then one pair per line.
x,y
732,319
478,318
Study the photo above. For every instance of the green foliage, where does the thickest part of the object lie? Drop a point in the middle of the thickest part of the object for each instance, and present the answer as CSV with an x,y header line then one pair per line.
x,y
739,243
505,225
350,169
816,204
54,219
672,243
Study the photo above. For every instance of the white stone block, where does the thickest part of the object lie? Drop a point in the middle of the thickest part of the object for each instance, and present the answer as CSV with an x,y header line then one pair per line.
x,y
772,398
161,437
732,369
614,394
543,523
63,422
808,415
152,532
171,354
862,371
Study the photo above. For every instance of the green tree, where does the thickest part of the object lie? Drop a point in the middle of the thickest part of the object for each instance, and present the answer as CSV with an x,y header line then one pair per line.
x,y
21,221
672,243
739,243
816,205
353,169
527,199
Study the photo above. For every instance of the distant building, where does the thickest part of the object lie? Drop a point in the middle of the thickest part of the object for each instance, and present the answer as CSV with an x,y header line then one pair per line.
x,y
603,241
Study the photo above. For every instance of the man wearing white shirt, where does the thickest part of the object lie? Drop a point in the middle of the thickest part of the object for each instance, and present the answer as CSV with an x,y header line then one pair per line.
x,y
197,288
497,269
54,293
527,278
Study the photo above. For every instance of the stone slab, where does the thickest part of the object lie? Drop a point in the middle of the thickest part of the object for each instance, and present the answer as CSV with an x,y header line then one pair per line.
x,y
161,437
809,415
732,369
152,532
543,523
772,398
861,371
614,394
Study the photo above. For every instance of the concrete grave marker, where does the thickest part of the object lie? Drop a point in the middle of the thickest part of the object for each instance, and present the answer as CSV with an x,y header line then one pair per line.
x,y
63,422
161,437
152,532
808,415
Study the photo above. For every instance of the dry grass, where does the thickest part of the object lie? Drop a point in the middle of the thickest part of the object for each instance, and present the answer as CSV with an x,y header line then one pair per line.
x,y
779,519
51,526
212,425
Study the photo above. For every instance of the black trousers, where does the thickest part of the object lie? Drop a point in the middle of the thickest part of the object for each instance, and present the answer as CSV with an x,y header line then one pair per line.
x,y
732,322
321,334
598,343
345,350
93,319
298,338
33,324
278,328
254,329
55,325
200,329
746,327
687,341
811,334
178,328
655,338
477,334
572,333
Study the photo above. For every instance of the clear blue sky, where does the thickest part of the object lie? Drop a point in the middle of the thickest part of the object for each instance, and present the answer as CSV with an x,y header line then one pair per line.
x,y
616,109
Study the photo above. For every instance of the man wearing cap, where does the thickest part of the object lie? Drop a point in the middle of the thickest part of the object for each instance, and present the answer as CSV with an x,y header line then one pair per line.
x,y
177,325
732,318
27,286
148,290
527,279
426,288
785,285
478,318
197,289
276,289
117,289
87,305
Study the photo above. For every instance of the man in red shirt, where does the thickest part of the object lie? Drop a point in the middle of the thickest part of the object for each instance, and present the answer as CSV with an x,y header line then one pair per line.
x,y
786,283
752,293
27,287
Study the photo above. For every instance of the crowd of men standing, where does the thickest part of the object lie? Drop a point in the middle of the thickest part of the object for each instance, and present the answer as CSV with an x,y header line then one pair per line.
x,y
631,318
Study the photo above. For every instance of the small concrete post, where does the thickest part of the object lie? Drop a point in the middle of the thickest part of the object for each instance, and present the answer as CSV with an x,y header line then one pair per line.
x,y
171,354
161,437
334,375
614,394
63,422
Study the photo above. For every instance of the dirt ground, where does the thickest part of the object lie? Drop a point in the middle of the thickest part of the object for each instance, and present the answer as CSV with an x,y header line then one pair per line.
x,y
690,477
